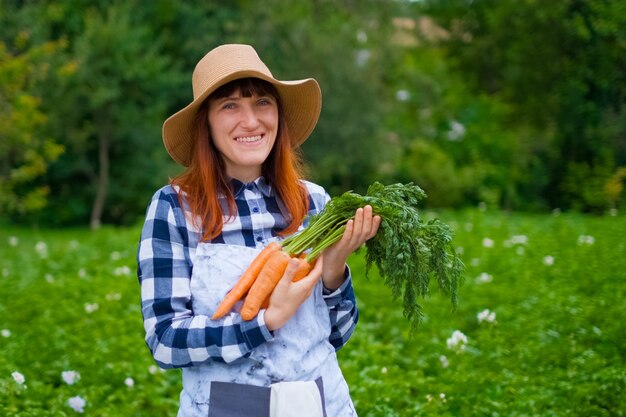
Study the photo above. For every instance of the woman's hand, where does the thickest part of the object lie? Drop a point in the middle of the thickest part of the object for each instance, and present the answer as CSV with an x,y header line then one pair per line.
x,y
288,296
358,230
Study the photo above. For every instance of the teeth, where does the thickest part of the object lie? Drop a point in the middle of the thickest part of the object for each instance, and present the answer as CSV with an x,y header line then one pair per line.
x,y
248,138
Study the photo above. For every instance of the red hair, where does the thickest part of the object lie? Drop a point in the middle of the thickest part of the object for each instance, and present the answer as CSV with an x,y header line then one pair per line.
x,y
205,179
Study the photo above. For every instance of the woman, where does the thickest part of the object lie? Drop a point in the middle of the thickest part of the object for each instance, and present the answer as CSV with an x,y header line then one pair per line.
x,y
243,189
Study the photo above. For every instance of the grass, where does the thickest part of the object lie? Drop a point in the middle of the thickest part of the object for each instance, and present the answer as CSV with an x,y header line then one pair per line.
x,y
70,301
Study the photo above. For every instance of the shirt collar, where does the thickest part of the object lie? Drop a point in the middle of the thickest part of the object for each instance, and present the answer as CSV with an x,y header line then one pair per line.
x,y
259,184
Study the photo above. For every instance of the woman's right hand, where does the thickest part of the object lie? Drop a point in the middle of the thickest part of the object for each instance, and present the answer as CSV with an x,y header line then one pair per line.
x,y
288,296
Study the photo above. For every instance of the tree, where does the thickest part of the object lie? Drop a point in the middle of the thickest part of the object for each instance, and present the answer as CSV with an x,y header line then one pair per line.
x,y
119,71
25,149
559,66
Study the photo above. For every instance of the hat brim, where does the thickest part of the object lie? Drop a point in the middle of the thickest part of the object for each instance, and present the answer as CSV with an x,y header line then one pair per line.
x,y
301,101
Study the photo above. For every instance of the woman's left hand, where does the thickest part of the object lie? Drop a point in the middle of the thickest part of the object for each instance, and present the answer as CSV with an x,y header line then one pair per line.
x,y
360,229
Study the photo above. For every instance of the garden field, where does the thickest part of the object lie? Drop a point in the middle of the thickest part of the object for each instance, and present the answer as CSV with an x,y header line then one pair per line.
x,y
539,328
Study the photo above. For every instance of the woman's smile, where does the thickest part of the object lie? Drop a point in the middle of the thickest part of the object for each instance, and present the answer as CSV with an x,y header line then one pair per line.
x,y
249,139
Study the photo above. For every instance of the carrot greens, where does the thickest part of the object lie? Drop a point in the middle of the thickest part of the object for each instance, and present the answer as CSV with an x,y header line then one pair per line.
x,y
407,250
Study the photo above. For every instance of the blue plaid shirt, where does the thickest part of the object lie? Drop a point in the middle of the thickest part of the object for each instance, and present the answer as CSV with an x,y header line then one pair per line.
x,y
165,261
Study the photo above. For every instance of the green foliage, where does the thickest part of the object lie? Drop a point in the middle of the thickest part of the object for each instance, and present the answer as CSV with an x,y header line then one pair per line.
x,y
559,67
25,151
503,102
555,347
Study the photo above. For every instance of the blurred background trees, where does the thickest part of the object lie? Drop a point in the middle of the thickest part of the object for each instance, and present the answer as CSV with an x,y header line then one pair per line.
x,y
517,104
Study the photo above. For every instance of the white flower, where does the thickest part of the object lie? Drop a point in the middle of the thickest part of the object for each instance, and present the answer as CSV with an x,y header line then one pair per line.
x,y
486,315
429,397
548,260
77,404
516,240
444,361
115,256
13,241
42,249
129,382
456,132
91,307
114,296
153,369
613,212
586,240
122,270
457,341
73,244
82,273
484,278
5,333
19,378
475,262
70,377
49,278
488,243
361,36
482,206
402,95
383,370
362,56
442,397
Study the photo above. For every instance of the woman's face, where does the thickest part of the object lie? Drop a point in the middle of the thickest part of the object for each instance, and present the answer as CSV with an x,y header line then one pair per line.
x,y
243,130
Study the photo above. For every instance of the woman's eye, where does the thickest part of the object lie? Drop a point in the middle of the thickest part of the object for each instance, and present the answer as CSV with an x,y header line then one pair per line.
x,y
228,106
264,102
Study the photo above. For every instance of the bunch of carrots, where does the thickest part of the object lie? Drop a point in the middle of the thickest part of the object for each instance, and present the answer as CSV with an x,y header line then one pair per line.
x,y
259,280
406,250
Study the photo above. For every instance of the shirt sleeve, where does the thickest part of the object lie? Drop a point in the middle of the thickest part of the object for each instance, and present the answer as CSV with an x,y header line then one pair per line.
x,y
343,312
176,337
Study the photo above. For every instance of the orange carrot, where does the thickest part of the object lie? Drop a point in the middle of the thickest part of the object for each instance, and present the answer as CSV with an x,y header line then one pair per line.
x,y
246,280
303,270
266,303
271,273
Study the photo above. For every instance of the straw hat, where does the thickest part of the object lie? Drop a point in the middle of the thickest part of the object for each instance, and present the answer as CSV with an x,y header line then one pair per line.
x,y
301,99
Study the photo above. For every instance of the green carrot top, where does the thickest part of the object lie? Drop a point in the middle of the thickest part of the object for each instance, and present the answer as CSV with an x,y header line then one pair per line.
x,y
407,250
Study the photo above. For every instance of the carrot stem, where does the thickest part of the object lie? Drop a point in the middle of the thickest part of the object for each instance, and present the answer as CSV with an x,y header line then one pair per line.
x,y
329,240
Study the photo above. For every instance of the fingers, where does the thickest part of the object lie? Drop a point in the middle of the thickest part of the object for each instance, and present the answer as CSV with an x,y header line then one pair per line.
x,y
288,275
311,279
288,296
290,272
375,225
363,227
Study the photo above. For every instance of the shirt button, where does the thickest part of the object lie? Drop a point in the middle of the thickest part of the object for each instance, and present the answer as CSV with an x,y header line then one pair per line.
x,y
259,238
255,210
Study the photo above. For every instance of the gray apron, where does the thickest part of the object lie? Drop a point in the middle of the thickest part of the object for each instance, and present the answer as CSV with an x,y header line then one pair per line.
x,y
300,350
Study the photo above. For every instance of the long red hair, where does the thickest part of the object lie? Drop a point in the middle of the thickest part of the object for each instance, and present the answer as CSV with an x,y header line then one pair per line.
x,y
205,179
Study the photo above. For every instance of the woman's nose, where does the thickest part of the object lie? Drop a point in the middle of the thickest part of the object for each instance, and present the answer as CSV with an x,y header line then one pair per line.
x,y
249,117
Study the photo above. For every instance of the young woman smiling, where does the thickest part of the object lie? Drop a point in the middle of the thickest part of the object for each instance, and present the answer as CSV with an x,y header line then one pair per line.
x,y
242,189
